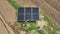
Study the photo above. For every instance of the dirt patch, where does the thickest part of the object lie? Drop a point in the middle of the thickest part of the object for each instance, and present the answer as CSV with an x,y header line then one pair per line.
x,y
8,11
26,3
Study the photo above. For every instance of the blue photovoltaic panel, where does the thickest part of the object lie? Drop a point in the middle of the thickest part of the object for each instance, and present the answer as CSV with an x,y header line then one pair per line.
x,y
35,10
21,10
20,17
28,10
28,14
28,17
36,16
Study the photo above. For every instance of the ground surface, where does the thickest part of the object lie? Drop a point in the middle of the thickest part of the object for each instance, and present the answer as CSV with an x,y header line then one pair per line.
x,y
8,12
26,3
2,28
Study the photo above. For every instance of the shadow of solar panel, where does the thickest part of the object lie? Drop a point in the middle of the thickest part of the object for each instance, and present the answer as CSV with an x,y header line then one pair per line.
x,y
21,10
20,17
36,16
35,10
28,10
28,17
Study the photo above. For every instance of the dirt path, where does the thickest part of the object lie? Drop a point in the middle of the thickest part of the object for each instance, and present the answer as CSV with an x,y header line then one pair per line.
x,y
7,27
3,29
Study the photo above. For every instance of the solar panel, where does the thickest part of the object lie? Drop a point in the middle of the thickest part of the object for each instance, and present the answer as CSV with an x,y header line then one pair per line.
x,y
28,10
28,17
28,14
21,17
21,10
35,17
35,10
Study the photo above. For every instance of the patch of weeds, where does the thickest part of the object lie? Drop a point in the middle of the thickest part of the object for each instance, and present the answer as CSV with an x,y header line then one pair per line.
x,y
14,4
30,25
51,25
42,32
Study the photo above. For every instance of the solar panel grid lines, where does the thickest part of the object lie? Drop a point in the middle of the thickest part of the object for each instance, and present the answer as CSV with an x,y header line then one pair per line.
x,y
28,14
35,16
24,13
28,10
34,13
20,14
31,13
28,17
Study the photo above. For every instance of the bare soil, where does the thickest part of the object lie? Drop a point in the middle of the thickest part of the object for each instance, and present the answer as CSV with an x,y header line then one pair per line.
x,y
25,3
9,14
2,28
7,11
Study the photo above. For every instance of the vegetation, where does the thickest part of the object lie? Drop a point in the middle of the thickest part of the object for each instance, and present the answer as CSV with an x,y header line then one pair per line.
x,y
14,4
29,26
51,26
42,32
32,32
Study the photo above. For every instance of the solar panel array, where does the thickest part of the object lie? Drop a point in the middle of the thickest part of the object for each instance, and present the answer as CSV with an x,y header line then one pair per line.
x,y
28,14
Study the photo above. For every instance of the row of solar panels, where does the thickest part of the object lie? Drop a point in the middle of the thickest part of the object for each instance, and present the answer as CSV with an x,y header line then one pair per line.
x,y
28,14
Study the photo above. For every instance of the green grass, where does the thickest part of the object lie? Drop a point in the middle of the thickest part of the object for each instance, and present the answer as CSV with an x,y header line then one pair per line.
x,y
32,26
51,25
42,32
29,26
14,4
32,32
